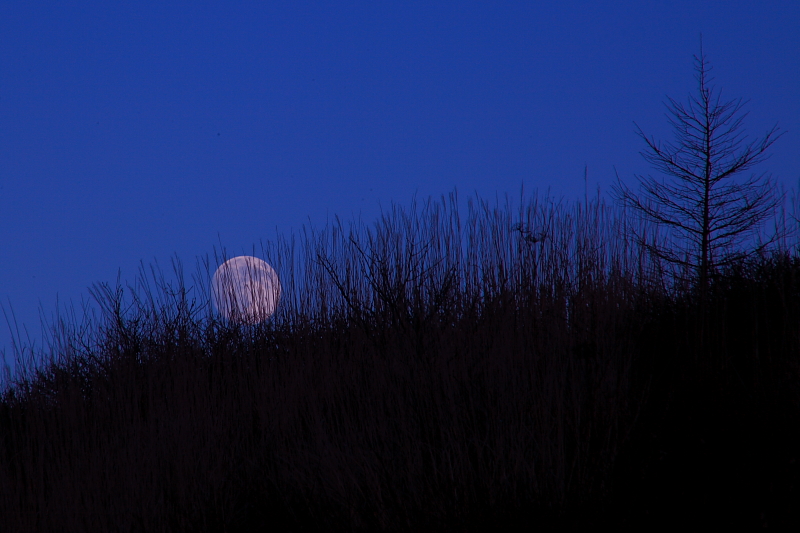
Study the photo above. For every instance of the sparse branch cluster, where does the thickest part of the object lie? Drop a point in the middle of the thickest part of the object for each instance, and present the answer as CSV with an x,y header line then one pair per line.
x,y
706,214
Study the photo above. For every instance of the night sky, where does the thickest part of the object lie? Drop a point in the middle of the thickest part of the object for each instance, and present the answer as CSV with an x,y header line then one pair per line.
x,y
140,131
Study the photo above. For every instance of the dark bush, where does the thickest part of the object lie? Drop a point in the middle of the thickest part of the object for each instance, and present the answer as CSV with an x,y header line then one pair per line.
x,y
443,370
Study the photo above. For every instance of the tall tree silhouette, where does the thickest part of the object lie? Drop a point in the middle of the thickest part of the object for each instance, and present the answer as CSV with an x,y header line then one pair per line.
x,y
705,210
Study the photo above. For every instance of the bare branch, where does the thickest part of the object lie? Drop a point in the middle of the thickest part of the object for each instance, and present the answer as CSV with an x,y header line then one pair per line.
x,y
699,204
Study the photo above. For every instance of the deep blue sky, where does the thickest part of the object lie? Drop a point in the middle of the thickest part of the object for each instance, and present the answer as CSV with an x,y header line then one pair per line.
x,y
136,131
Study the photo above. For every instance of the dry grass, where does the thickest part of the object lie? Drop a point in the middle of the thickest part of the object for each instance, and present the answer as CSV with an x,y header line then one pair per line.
x,y
443,370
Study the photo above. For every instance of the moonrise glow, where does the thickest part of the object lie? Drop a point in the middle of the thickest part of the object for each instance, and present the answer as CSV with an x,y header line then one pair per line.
x,y
246,289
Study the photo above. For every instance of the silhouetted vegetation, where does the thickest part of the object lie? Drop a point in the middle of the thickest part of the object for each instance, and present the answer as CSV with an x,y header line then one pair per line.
x,y
704,210
442,370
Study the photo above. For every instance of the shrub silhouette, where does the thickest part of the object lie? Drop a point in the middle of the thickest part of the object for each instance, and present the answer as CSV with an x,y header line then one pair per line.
x,y
444,369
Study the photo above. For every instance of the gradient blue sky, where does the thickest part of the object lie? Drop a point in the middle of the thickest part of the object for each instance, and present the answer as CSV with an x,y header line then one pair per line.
x,y
141,130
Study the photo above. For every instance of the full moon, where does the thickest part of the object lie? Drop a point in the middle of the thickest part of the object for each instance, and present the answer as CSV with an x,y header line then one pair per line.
x,y
246,289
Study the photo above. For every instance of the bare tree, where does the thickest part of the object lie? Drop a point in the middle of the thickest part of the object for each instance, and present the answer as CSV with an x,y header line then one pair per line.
x,y
705,211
